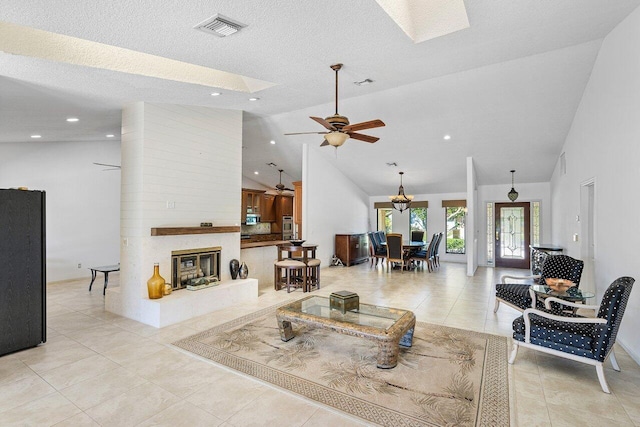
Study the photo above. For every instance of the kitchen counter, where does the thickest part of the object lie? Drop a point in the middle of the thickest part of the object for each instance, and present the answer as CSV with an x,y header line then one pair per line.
x,y
247,245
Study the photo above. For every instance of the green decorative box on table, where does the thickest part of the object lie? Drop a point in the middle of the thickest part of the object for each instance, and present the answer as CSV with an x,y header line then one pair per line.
x,y
344,301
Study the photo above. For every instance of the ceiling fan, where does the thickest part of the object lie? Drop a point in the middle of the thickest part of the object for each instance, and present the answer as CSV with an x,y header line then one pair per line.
x,y
280,186
111,167
338,127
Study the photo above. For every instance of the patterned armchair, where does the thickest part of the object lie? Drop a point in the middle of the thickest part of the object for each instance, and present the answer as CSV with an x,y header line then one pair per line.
x,y
516,295
583,339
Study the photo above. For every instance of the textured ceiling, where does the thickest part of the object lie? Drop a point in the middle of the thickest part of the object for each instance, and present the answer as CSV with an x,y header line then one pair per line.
x,y
506,88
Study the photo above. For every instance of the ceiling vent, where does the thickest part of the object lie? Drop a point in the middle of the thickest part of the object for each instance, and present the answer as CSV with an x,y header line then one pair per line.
x,y
220,26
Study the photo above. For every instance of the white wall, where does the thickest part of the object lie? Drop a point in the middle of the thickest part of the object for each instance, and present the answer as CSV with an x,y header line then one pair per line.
x,y
82,200
187,156
331,204
532,192
254,185
435,219
603,143
471,225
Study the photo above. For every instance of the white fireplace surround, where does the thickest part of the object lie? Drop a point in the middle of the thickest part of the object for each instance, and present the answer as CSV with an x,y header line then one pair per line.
x,y
134,302
180,167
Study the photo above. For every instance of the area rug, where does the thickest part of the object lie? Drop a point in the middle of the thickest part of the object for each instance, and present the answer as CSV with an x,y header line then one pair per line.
x,y
449,377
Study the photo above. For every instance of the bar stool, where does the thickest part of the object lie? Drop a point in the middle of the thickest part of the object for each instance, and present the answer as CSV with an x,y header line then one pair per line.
x,y
313,274
291,271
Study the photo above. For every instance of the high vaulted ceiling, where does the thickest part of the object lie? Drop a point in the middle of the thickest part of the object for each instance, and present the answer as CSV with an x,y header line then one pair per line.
x,y
506,88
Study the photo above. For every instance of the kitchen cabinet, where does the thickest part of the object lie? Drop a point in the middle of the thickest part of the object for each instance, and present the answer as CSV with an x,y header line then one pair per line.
x,y
268,208
352,248
297,212
251,202
284,206
23,273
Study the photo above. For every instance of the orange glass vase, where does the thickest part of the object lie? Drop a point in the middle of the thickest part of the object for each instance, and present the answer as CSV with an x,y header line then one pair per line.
x,y
155,285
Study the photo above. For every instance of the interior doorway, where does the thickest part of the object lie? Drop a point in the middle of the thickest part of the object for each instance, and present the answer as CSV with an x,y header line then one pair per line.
x,y
587,234
513,235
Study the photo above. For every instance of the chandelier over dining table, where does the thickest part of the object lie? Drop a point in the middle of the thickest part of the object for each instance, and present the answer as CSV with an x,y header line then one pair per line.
x,y
401,202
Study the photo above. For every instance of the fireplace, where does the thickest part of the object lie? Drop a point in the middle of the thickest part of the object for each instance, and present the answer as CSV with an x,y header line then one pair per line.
x,y
195,267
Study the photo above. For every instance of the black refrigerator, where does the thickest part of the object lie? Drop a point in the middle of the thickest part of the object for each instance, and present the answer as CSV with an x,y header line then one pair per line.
x,y
22,270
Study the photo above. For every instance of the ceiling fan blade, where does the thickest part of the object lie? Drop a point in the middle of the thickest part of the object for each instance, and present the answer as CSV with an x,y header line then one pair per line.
x,y
325,142
306,133
324,123
364,125
104,164
362,137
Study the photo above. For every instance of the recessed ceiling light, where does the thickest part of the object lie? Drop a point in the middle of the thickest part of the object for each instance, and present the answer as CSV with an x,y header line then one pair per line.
x,y
272,142
216,94
73,119
36,136
254,99
256,173
363,82
447,137
110,135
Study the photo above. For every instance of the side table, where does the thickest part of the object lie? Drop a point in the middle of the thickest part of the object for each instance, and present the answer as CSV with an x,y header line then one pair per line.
x,y
106,269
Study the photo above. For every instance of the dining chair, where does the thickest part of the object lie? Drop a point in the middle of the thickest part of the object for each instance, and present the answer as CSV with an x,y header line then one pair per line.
x,y
516,295
376,251
432,250
425,255
395,251
588,340
436,250
417,236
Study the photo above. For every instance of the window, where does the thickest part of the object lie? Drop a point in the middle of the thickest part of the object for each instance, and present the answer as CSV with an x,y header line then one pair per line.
x,y
535,223
418,221
384,220
490,239
455,218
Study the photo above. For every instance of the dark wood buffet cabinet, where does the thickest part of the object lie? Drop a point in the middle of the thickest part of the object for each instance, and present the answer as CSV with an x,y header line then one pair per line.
x,y
352,248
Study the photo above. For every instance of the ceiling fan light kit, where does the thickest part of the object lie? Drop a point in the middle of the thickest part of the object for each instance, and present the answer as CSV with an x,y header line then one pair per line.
x,y
336,138
401,202
338,127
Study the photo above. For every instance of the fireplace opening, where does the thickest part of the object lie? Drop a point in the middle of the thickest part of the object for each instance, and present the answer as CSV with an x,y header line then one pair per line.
x,y
194,267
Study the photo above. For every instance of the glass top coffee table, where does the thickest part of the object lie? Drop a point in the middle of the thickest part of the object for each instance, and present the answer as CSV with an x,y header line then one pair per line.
x,y
389,328
572,294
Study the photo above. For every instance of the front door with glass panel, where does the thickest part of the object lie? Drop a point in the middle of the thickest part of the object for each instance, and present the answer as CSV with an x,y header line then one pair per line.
x,y
512,235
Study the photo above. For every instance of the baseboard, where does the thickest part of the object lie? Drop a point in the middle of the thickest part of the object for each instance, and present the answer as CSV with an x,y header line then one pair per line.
x,y
634,356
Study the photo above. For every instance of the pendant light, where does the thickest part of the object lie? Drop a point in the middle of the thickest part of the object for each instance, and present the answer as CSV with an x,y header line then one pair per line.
x,y
401,202
513,194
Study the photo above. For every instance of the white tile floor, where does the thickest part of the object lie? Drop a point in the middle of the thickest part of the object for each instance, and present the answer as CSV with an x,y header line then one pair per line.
x,y
100,369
